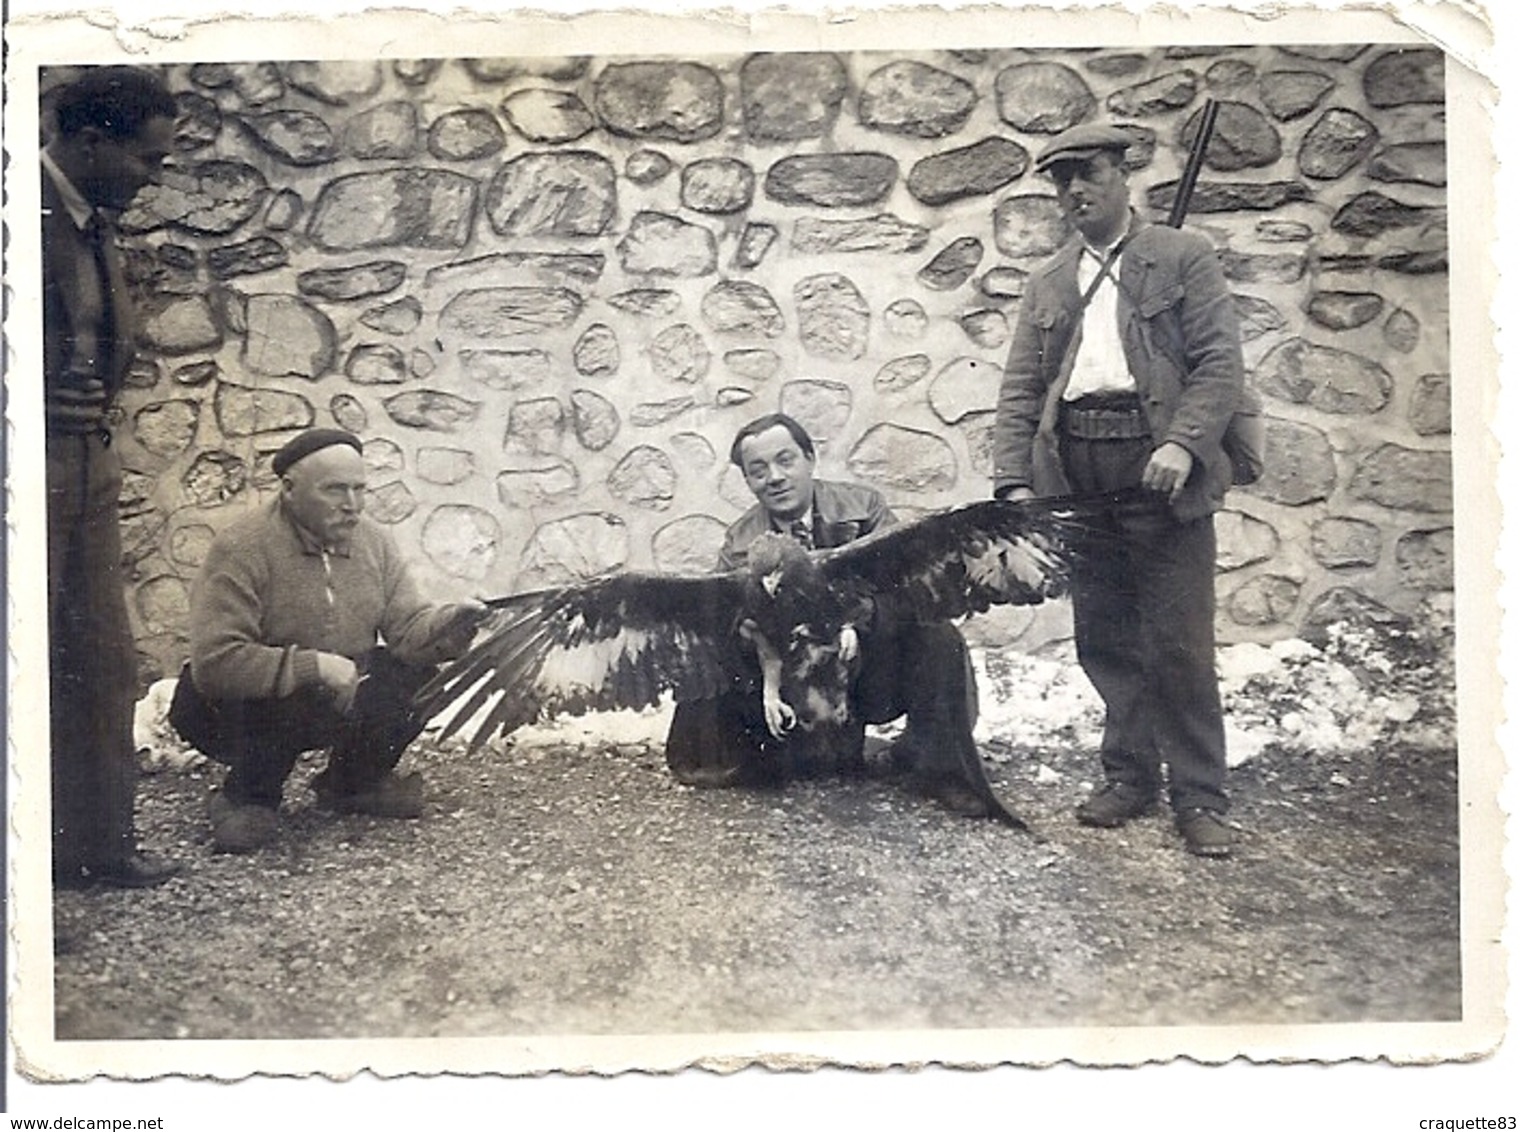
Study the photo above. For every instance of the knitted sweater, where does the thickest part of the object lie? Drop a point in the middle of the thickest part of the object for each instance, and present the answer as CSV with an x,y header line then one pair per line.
x,y
269,599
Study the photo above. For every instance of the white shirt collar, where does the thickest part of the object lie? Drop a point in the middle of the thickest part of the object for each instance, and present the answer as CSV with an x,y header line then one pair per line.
x,y
80,210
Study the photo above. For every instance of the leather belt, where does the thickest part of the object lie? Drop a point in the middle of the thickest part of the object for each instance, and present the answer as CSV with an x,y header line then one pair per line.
x,y
1123,423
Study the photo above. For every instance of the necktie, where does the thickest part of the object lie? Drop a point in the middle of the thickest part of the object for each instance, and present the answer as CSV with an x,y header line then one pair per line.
x,y
96,237
800,531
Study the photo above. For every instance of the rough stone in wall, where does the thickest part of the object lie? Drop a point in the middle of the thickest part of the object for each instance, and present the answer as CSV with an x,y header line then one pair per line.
x,y
791,97
362,281
389,132
465,135
391,502
295,137
660,244
680,102
407,208
1431,408
569,193
717,185
1243,540
597,352
1425,559
1268,600
1168,92
678,353
1292,94
576,547
964,386
1301,465
166,428
461,540
833,317
952,266
753,364
393,318
546,289
914,98
846,180
248,257
1405,479
245,411
1340,542
548,117
883,233
175,326
444,466
903,372
539,486
823,407
1043,97
754,244
1243,138
287,337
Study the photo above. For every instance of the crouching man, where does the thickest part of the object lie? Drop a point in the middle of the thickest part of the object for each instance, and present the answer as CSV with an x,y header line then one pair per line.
x,y
286,619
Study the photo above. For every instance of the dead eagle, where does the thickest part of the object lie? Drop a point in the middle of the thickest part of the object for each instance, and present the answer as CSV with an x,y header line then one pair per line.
x,y
622,640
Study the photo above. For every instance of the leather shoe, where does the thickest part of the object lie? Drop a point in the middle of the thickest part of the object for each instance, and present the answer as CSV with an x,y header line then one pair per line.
x,y
136,870
951,793
1205,833
1116,804
393,796
238,827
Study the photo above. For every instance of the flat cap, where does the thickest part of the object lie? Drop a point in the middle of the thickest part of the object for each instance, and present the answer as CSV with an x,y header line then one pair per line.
x,y
1082,143
306,443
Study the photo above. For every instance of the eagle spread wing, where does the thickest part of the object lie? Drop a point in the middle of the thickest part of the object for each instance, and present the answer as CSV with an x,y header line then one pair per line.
x,y
617,641
621,640
966,559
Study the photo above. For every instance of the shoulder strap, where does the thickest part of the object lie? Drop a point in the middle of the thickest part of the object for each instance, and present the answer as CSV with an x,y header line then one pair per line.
x,y
1108,262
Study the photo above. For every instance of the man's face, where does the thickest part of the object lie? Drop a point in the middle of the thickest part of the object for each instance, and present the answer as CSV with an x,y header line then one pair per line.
x,y
1094,195
778,473
325,493
109,171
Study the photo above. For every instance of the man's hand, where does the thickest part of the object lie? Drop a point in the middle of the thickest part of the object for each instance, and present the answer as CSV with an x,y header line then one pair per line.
x,y
1168,469
339,675
459,629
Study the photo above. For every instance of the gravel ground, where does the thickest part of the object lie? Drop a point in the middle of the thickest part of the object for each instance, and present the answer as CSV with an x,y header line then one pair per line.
x,y
566,884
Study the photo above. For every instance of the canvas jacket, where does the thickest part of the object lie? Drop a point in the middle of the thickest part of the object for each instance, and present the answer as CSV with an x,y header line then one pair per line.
x,y
1181,340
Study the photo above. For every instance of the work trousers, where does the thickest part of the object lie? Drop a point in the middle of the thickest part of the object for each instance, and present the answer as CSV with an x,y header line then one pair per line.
x,y
908,667
1143,598
259,740
92,660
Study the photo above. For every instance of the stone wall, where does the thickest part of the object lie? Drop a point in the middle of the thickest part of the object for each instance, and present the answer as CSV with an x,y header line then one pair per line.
x,y
547,291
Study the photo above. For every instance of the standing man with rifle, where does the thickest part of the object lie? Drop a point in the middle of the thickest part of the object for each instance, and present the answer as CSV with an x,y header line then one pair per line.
x,y
1125,370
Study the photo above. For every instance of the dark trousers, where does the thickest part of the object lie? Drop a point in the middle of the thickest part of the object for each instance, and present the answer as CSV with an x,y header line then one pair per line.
x,y
1143,598
92,659
259,740
913,668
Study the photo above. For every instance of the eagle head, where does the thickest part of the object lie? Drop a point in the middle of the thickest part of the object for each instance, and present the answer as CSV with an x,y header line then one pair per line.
x,y
772,557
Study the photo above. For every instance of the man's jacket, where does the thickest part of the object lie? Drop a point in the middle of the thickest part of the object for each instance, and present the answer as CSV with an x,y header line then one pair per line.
x,y
1181,340
841,512
65,254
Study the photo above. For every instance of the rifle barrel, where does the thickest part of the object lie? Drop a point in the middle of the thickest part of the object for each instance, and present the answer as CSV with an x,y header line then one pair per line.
x,y
1196,153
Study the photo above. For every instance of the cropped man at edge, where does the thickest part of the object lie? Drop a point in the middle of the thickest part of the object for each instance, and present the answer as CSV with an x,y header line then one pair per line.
x,y
907,667
113,130
307,631
1125,369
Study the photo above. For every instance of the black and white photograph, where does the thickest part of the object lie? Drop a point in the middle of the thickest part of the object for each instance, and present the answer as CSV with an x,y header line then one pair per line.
x,y
677,546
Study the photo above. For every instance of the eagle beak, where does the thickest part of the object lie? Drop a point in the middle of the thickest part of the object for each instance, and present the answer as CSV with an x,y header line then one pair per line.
x,y
770,583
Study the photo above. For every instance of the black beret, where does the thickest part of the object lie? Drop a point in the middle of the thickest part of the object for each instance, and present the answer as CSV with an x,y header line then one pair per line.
x,y
306,443
1082,143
